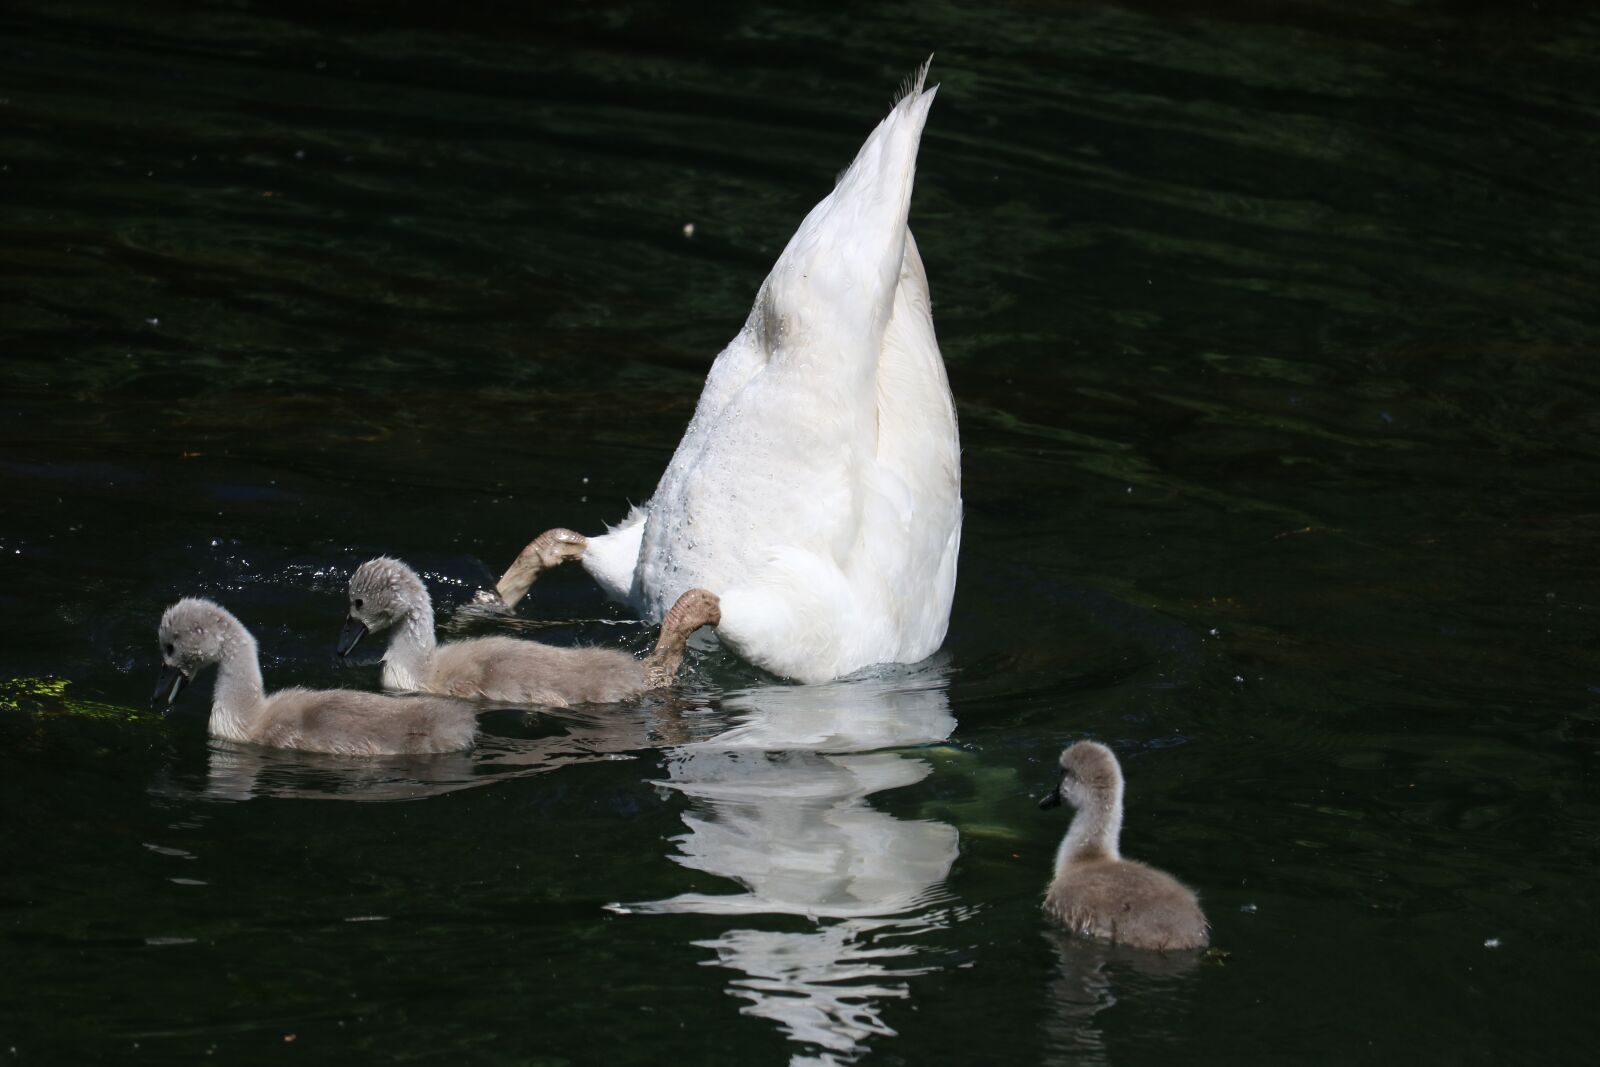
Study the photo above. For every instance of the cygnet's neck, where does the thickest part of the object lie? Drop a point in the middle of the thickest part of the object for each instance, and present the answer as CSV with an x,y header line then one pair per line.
x,y
1095,829
411,647
239,689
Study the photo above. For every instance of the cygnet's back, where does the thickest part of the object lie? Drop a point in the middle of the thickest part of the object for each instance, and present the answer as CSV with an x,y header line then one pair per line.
x,y
528,672
197,633
350,723
1095,891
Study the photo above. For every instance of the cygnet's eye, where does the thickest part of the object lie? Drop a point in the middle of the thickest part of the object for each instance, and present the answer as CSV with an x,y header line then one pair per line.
x,y
171,649
360,603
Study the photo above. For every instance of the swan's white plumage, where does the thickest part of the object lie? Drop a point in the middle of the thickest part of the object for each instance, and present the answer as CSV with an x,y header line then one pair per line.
x,y
817,489
611,557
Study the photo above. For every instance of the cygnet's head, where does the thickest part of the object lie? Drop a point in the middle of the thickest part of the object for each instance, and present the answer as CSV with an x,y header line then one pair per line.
x,y
192,634
383,592
1088,770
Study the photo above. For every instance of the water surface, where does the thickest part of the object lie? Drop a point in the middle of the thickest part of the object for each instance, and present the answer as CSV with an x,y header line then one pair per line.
x,y
1272,330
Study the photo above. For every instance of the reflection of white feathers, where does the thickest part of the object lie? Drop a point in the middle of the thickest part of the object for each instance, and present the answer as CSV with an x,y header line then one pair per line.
x,y
781,800
795,980
893,709
779,803
817,490
796,830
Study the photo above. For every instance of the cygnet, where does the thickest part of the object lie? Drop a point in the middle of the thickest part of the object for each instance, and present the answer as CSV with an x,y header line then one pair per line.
x,y
196,633
385,594
1095,891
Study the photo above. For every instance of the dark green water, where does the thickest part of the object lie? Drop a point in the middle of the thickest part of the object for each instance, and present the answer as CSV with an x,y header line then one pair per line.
x,y
1273,330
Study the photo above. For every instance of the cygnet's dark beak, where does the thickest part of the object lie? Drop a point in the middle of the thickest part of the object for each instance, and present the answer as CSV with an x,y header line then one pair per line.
x,y
351,635
168,686
1054,799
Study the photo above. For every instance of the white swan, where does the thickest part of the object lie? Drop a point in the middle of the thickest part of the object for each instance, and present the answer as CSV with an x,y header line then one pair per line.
x,y
817,490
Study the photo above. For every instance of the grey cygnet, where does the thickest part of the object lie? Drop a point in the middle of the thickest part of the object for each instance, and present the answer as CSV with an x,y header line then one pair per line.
x,y
387,594
197,633
1095,891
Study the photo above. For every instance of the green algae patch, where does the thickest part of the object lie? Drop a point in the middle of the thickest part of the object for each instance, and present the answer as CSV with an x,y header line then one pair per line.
x,y
984,802
53,696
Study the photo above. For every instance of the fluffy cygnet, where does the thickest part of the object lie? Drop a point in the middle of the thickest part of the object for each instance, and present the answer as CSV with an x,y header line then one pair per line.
x,y
197,633
1096,892
385,593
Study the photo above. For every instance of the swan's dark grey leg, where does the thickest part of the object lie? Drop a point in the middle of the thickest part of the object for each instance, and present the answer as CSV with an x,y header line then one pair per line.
x,y
692,610
550,549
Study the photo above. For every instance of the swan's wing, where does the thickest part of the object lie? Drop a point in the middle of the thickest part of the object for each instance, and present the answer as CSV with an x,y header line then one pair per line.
x,y
911,525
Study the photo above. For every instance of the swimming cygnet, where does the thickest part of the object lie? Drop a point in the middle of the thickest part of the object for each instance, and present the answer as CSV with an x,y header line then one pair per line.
x,y
386,593
196,633
1096,892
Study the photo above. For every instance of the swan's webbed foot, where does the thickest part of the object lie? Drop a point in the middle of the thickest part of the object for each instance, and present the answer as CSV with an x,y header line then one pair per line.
x,y
692,610
550,549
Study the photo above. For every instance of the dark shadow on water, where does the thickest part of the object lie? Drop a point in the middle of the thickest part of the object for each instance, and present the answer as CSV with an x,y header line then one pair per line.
x,y
1092,977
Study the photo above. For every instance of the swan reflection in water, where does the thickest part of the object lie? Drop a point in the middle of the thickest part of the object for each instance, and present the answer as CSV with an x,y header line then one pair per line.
x,y
779,804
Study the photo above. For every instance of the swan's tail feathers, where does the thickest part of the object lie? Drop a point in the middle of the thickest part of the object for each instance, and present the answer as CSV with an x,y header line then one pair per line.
x,y
914,82
912,86
611,557
845,257
876,187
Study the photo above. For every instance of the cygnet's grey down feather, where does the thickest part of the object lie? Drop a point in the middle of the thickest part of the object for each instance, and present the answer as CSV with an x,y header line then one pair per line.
x,y
1095,891
387,594
197,633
